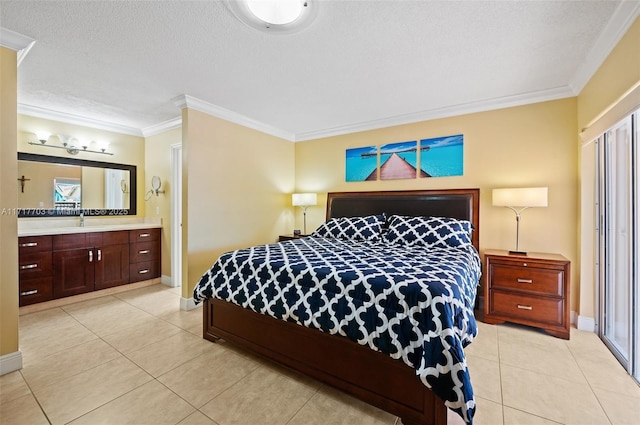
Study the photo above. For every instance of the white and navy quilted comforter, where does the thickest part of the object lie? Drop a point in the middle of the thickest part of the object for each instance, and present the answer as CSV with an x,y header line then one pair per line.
x,y
411,302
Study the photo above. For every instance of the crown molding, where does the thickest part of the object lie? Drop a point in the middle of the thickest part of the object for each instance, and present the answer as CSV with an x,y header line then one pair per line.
x,y
171,124
449,111
624,16
186,101
38,112
16,41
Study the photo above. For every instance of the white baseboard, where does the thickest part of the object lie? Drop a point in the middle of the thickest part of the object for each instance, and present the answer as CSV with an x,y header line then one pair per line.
x,y
188,304
586,323
166,280
10,362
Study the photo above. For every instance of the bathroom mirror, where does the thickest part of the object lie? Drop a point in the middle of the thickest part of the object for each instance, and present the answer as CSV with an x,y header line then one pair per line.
x,y
103,188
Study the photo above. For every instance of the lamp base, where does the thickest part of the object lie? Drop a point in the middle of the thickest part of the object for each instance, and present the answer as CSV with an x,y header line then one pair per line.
x,y
517,253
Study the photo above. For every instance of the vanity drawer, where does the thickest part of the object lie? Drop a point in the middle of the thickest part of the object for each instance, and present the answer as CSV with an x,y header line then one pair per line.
x,y
143,251
143,271
527,308
30,244
37,264
35,290
527,279
144,235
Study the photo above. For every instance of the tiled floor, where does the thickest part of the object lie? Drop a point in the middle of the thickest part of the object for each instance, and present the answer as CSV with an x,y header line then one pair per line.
x,y
135,358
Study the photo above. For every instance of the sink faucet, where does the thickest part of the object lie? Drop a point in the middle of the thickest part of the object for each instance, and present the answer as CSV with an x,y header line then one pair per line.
x,y
81,218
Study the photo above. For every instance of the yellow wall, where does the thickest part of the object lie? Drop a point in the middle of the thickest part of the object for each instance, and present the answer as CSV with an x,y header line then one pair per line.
x,y
237,188
8,202
619,72
126,149
158,163
532,145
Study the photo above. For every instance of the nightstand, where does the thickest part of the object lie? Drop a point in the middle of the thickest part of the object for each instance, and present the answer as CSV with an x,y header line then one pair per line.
x,y
528,289
289,237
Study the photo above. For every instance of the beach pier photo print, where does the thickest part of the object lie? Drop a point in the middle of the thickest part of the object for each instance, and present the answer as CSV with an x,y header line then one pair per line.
x,y
399,160
442,156
362,164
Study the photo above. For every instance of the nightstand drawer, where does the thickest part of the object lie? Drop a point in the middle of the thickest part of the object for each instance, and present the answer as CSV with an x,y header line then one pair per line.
x,y
528,279
534,309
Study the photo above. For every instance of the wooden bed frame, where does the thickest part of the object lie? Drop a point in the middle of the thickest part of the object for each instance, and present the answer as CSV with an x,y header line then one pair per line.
x,y
368,375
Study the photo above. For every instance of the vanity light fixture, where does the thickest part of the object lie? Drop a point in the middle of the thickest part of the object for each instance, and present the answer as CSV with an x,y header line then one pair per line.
x,y
70,144
275,16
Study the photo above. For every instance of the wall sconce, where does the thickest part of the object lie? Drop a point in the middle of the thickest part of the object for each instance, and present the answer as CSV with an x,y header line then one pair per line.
x,y
519,200
156,183
304,200
70,144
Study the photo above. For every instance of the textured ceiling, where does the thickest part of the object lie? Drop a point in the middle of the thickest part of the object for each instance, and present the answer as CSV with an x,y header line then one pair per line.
x,y
361,64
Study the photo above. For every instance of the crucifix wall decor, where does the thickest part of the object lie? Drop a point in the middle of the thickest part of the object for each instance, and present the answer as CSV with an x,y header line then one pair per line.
x,y
22,181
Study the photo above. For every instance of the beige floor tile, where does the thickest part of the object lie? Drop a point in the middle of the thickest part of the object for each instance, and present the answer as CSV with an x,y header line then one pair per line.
x,y
156,302
621,409
554,360
43,321
518,417
162,356
12,386
73,397
485,378
201,379
485,344
67,363
487,412
528,336
452,418
35,345
332,407
581,341
603,371
92,303
197,418
549,397
268,396
111,317
21,411
149,404
140,335
185,319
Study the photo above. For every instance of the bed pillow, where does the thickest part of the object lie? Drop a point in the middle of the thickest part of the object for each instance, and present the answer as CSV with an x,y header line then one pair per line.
x,y
366,228
439,232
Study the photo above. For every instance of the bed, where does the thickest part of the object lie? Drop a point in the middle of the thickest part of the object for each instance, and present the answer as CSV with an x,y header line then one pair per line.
x,y
396,346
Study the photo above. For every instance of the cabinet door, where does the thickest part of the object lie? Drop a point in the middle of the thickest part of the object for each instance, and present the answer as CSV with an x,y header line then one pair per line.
x,y
73,272
112,266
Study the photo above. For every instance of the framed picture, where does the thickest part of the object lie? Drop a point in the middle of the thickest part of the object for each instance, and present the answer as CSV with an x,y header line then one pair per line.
x,y
398,160
362,164
442,156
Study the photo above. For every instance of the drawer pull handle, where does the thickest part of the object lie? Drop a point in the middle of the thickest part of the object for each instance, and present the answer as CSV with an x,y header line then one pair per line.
x,y
144,235
525,280
29,266
144,251
27,244
32,292
91,256
143,271
99,255
525,307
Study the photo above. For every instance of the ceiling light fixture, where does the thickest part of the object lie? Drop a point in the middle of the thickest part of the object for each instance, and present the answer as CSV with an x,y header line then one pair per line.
x,y
274,16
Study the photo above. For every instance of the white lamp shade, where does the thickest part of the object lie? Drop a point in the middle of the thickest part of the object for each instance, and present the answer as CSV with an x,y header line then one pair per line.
x,y
520,197
304,199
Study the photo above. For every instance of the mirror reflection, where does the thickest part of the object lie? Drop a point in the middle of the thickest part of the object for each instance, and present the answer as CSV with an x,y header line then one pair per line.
x,y
65,186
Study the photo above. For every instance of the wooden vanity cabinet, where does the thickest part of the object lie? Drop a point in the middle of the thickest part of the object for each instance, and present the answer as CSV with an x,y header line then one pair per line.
x,y
144,256
85,262
35,267
57,266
